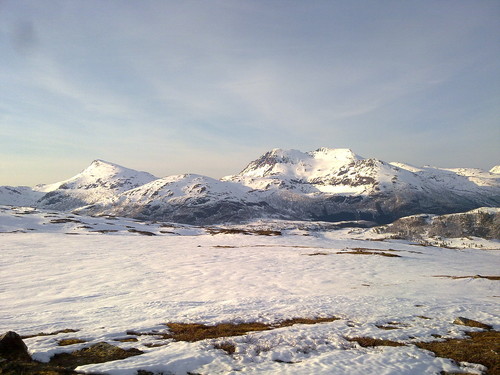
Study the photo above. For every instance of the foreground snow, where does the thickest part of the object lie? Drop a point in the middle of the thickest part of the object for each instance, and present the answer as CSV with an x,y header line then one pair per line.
x,y
104,285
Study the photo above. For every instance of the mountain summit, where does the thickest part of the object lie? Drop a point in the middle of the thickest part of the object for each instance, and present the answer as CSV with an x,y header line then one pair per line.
x,y
324,184
100,181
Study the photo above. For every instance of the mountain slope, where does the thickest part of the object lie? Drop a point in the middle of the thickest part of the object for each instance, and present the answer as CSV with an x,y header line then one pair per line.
x,y
99,182
188,198
325,184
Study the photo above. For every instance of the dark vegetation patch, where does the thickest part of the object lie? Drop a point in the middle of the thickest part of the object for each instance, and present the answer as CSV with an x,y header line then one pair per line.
x,y
471,323
126,339
494,278
67,330
28,212
386,327
228,347
66,342
291,322
143,232
98,353
317,253
104,231
33,368
191,332
62,221
367,342
365,252
195,332
260,232
225,247
480,347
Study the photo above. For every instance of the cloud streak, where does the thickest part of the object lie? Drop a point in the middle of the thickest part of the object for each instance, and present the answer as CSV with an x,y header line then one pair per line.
x,y
160,81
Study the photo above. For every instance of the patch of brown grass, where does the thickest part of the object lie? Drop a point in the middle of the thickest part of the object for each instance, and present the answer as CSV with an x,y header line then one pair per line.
x,y
63,221
98,353
195,332
228,347
291,322
471,323
480,347
67,330
386,327
191,332
318,253
32,368
367,342
127,339
66,342
369,252
494,278
260,232
143,232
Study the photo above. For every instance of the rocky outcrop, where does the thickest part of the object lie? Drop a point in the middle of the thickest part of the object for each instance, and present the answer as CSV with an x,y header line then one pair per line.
x,y
481,222
12,347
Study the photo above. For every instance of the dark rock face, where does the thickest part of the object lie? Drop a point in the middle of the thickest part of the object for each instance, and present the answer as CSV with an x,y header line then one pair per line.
x,y
12,347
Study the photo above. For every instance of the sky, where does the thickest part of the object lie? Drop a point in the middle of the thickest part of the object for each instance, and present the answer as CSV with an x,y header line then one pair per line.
x,y
205,87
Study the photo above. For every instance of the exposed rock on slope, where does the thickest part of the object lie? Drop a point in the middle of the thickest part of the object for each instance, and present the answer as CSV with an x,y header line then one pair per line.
x,y
482,222
190,198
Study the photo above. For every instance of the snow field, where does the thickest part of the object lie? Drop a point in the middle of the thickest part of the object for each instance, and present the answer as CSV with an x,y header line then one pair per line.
x,y
105,285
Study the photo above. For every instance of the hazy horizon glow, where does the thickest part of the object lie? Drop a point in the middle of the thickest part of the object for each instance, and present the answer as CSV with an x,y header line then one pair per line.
x,y
174,87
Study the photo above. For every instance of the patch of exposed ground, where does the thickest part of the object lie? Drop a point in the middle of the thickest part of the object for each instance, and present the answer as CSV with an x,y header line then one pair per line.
x,y
260,232
318,253
67,330
66,342
191,332
471,323
390,325
480,347
367,342
495,278
143,232
369,252
63,221
33,368
98,353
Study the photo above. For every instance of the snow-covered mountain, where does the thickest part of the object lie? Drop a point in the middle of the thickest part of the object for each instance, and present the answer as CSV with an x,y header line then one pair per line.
x,y
188,198
99,182
325,184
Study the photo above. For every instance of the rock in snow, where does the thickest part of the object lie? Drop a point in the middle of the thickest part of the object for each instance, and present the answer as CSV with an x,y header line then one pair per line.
x,y
325,184
12,347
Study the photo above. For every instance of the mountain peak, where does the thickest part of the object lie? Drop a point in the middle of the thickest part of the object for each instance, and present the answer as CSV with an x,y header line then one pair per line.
x,y
102,175
335,154
495,169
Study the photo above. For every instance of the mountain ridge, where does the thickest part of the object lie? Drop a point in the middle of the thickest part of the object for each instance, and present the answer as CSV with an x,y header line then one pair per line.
x,y
325,184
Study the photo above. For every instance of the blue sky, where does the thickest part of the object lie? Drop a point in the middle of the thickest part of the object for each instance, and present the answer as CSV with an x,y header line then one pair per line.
x,y
207,86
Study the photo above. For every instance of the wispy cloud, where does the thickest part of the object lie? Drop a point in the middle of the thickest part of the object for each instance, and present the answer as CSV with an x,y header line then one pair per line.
x,y
185,82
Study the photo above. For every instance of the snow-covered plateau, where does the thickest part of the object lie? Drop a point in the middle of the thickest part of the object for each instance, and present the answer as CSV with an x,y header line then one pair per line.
x,y
109,278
